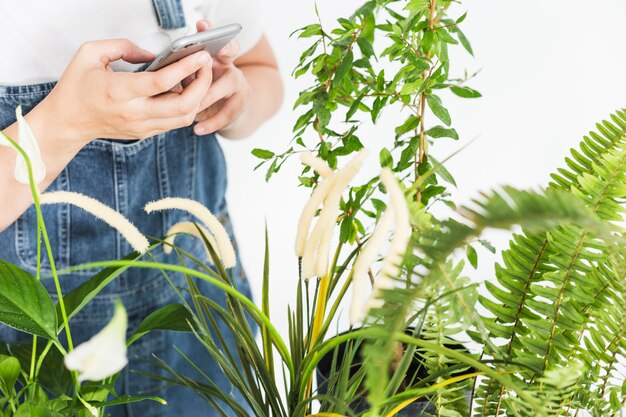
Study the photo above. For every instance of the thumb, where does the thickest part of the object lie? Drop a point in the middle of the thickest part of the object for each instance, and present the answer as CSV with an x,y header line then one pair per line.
x,y
115,49
202,25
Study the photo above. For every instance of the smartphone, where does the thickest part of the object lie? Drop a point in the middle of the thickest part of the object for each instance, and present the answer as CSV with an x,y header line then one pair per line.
x,y
212,41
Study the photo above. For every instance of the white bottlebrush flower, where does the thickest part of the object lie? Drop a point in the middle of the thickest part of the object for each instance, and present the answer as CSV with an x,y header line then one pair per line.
x,y
319,165
105,213
308,212
105,353
28,143
317,246
367,256
191,229
223,245
397,212
402,232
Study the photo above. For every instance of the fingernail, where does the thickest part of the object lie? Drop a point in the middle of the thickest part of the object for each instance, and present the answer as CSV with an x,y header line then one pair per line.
x,y
200,130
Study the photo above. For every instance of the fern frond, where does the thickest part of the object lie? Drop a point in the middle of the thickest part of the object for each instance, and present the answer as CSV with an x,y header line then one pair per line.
x,y
555,286
500,209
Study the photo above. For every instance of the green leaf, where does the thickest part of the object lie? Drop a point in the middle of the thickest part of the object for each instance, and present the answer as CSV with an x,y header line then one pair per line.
x,y
416,5
438,110
466,44
386,160
173,317
465,92
472,256
442,132
366,47
9,371
344,67
441,170
34,410
25,304
310,31
262,153
78,298
486,244
409,124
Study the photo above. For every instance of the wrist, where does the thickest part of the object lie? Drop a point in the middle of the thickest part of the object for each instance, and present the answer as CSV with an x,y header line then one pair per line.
x,y
52,131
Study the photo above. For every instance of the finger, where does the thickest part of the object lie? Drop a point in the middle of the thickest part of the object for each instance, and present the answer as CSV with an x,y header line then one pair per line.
x,y
187,102
188,80
223,87
109,50
230,111
229,53
146,84
202,25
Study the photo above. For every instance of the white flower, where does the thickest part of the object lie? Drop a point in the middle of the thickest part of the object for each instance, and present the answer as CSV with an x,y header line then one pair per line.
x,y
224,246
189,228
398,212
105,353
315,249
367,256
105,213
28,143
319,165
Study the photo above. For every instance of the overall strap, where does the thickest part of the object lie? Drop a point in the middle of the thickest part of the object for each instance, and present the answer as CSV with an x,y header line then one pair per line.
x,y
170,13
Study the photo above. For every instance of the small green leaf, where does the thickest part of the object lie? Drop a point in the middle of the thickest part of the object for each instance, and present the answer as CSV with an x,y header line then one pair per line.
x,y
9,371
472,256
487,245
173,317
442,132
416,5
386,160
465,92
438,110
344,67
262,153
409,124
366,47
310,31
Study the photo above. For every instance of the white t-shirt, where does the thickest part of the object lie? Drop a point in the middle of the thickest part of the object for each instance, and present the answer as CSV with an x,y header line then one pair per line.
x,y
38,38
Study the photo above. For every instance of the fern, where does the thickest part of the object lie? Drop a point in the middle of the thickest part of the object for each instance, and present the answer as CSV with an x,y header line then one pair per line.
x,y
500,209
555,288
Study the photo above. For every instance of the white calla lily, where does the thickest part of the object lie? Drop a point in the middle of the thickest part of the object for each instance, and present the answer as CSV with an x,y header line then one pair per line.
x,y
29,144
103,355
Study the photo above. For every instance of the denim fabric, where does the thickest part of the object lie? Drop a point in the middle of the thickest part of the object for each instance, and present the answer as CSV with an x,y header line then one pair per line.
x,y
169,13
126,175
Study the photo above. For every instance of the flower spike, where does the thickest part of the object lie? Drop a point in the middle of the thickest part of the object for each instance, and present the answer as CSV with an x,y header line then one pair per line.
x,y
105,213
224,246
191,229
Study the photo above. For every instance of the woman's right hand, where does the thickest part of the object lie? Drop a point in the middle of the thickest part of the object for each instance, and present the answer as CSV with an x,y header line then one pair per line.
x,y
92,101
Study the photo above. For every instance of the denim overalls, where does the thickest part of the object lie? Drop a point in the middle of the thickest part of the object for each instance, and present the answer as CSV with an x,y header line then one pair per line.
x,y
126,175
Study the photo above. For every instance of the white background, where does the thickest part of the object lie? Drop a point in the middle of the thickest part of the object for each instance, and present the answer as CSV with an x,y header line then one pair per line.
x,y
550,70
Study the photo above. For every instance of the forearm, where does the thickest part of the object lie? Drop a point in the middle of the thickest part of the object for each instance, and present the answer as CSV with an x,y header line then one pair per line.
x,y
267,96
15,197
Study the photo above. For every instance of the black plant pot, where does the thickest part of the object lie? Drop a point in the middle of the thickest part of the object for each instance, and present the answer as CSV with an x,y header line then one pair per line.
x,y
416,372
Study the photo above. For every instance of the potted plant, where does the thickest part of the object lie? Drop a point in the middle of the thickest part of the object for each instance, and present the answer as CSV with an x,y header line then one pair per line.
x,y
552,363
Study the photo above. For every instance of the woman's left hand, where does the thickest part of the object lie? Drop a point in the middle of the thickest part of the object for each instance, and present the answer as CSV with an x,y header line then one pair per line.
x,y
228,97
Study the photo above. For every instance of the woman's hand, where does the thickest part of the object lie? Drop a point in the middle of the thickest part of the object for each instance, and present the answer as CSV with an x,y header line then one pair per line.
x,y
91,101
228,97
